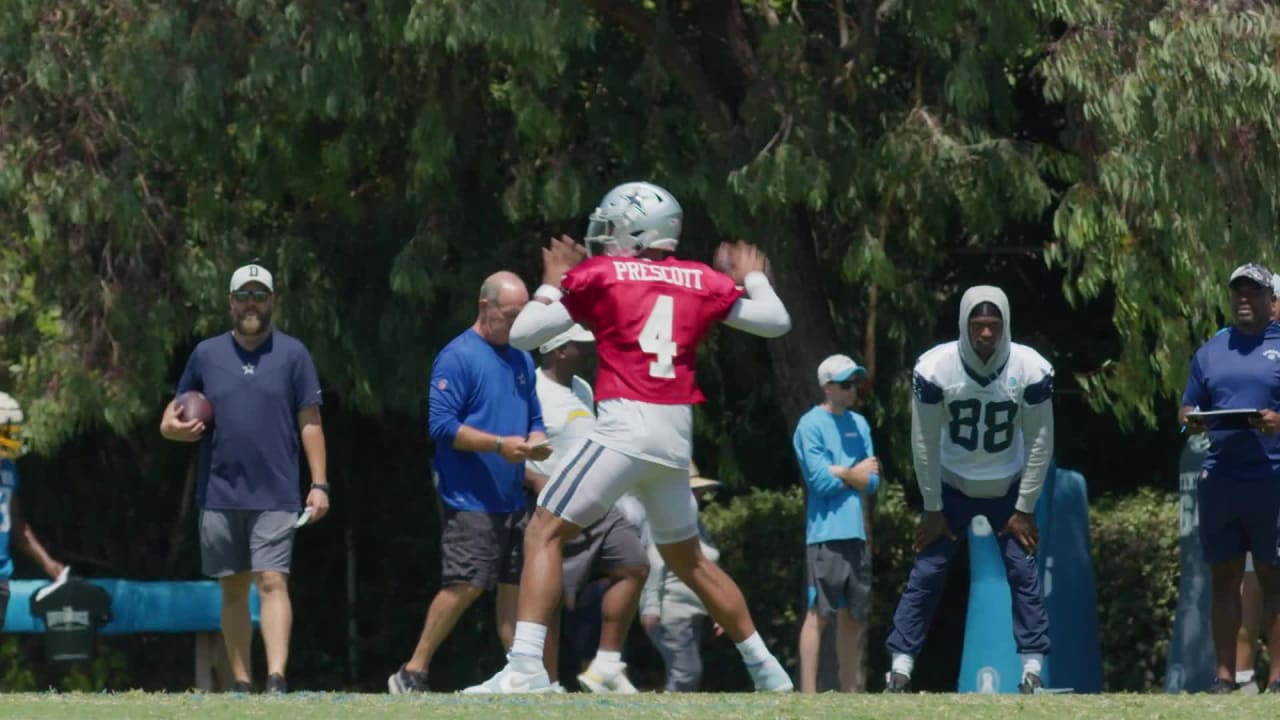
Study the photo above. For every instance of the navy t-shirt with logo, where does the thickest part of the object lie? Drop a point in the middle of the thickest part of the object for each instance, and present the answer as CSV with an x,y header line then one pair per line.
x,y
249,459
1234,371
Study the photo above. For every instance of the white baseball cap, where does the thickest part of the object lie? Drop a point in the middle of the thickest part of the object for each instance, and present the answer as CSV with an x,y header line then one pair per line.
x,y
577,333
696,481
838,368
251,273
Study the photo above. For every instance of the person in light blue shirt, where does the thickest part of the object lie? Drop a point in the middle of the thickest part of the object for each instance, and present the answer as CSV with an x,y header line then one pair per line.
x,y
833,446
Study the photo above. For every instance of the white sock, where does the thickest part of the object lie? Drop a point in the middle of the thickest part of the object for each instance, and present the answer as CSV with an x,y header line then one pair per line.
x,y
1032,663
1244,676
903,664
753,650
530,639
608,658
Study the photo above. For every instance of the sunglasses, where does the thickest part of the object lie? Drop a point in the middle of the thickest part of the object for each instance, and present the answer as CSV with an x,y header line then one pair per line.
x,y
255,295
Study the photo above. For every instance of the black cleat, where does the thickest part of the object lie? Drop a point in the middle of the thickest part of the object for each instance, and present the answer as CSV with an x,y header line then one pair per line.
x,y
241,686
1222,687
276,684
1030,684
403,682
896,682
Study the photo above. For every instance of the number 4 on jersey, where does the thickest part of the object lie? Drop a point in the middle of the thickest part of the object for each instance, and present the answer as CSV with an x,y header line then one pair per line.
x,y
656,338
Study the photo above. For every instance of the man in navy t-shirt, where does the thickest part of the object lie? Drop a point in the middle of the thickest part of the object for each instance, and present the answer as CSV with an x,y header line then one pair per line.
x,y
484,417
266,399
1239,487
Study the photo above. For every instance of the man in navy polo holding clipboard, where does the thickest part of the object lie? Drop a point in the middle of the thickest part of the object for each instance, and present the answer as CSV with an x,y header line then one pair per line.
x,y
1239,487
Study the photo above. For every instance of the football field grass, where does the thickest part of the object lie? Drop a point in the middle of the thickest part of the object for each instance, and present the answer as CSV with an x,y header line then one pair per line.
x,y
693,706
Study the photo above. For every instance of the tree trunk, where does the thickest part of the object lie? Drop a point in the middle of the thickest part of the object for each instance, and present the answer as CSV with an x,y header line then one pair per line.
x,y
795,356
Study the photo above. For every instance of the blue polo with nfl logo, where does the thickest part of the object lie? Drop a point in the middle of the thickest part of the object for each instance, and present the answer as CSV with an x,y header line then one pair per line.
x,y
490,388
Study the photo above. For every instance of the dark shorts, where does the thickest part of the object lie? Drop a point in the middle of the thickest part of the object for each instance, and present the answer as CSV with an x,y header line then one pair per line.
x,y
838,577
1238,517
482,549
609,544
236,541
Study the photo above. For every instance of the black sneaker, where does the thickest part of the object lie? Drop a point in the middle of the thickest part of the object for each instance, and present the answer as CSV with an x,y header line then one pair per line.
x,y
241,686
276,684
1222,687
403,682
1030,684
896,682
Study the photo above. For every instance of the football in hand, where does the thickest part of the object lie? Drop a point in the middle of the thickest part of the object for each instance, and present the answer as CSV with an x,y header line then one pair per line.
x,y
193,405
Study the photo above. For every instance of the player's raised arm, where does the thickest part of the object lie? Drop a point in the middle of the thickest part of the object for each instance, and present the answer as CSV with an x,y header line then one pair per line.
x,y
761,312
546,317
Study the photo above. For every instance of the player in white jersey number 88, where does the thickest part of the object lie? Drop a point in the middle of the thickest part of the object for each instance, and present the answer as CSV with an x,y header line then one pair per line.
x,y
648,311
982,439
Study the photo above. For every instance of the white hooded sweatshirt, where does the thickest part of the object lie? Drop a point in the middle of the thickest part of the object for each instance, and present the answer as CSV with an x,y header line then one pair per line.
x,y
979,426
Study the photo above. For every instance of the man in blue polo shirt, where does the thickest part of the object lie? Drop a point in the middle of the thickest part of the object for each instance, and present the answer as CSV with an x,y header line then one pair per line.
x,y
1239,487
834,449
266,399
485,421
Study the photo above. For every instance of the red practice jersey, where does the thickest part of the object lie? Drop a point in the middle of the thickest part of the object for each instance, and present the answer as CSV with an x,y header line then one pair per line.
x,y
648,317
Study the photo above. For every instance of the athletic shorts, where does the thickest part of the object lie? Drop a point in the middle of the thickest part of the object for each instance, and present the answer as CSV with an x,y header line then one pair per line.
x,y
482,549
236,541
608,545
1237,517
838,577
585,487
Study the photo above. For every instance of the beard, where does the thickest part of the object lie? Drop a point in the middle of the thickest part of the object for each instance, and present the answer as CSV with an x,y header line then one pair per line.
x,y
251,323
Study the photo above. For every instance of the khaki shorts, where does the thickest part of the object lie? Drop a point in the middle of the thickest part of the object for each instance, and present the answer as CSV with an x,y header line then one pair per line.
x,y
611,544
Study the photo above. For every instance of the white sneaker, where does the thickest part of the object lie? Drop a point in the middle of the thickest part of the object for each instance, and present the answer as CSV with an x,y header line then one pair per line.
x,y
607,681
556,687
768,676
521,675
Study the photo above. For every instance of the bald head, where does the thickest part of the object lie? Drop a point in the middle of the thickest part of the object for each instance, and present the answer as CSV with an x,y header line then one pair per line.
x,y
501,282
502,295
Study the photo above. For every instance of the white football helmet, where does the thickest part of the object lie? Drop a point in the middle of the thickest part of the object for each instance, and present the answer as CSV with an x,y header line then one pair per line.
x,y
632,218
11,419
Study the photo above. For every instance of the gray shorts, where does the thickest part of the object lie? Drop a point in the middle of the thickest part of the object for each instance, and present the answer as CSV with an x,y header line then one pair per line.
x,y
482,549
838,577
235,541
609,544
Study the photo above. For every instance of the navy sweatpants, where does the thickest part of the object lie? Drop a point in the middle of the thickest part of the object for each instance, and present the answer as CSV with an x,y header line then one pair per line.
x,y
929,574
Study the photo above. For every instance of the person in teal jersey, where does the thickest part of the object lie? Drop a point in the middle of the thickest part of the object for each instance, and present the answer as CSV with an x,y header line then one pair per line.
x,y
833,446
14,528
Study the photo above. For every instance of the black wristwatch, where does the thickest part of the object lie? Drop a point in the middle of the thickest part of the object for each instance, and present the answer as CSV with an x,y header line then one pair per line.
x,y
322,487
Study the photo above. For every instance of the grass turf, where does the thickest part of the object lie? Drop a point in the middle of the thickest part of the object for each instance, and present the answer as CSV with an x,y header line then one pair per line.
x,y
580,706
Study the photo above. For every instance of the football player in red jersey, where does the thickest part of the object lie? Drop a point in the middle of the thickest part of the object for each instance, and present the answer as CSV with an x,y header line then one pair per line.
x,y
649,311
